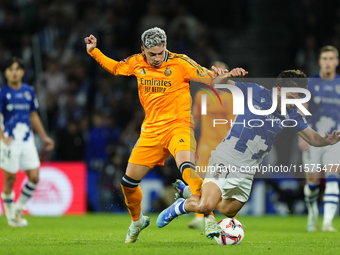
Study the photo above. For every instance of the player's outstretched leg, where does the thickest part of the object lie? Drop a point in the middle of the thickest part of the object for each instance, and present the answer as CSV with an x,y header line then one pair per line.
x,y
311,191
331,200
172,212
185,192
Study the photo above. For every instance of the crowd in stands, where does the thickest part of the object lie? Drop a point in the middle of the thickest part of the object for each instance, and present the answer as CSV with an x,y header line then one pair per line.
x,y
96,117
92,115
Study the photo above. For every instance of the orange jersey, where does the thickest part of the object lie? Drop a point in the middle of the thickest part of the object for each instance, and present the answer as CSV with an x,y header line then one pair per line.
x,y
211,136
163,92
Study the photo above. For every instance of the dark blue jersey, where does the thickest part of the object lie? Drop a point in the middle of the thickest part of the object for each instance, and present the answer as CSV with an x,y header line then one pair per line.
x,y
16,106
324,104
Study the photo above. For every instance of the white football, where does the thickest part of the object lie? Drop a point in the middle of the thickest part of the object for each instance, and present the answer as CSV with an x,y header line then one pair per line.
x,y
233,232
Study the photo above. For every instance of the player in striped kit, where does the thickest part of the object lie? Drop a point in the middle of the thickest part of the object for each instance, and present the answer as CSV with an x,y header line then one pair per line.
x,y
236,159
325,109
18,107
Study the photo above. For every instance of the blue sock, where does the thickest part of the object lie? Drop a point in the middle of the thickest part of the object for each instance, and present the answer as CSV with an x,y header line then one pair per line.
x,y
178,208
332,178
331,198
313,185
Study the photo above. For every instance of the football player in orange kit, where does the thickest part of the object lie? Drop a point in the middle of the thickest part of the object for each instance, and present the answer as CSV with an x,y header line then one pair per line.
x,y
163,85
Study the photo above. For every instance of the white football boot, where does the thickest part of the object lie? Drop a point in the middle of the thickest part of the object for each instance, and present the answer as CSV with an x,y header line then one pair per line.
x,y
133,232
19,215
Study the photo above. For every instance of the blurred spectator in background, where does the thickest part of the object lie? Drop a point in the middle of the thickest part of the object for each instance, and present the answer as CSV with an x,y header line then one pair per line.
x,y
50,33
111,195
307,56
54,79
107,96
99,138
153,17
70,144
68,107
184,20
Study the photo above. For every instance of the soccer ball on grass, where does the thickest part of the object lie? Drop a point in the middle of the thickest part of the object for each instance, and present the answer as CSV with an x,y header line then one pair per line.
x,y
233,232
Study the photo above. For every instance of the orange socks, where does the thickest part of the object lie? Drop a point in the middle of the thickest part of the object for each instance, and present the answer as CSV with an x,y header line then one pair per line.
x,y
133,196
190,176
194,181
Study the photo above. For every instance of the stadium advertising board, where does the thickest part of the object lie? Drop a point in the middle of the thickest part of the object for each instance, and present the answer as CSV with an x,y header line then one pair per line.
x,y
61,189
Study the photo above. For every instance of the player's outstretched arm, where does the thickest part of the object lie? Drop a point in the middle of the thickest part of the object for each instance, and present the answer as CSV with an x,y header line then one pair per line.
x,y
110,65
225,76
37,126
314,139
303,145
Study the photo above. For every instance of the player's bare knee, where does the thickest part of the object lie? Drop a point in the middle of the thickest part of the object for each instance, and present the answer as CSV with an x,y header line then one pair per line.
x,y
34,179
10,180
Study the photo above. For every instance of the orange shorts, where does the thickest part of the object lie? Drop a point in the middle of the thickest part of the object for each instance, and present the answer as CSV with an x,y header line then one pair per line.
x,y
152,149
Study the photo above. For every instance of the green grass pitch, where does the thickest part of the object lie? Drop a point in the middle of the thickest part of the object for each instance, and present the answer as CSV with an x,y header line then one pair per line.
x,y
105,234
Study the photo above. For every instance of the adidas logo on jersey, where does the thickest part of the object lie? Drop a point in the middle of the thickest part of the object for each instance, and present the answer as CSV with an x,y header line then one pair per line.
x,y
181,141
142,71
263,99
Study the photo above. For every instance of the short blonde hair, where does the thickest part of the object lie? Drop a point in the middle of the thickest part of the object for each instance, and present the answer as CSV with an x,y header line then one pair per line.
x,y
153,37
329,48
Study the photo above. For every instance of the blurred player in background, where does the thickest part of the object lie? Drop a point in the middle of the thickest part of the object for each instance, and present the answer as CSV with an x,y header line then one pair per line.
x,y
228,187
18,107
163,85
210,136
325,109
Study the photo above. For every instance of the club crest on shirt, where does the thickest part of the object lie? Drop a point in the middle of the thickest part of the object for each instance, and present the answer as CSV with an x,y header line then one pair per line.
x,y
201,72
337,88
28,96
167,71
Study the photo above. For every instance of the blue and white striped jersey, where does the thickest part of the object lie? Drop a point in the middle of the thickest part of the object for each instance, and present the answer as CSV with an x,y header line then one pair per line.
x,y
252,136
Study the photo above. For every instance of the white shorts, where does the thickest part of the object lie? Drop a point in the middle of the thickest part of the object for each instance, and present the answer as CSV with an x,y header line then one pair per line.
x,y
23,155
322,155
233,184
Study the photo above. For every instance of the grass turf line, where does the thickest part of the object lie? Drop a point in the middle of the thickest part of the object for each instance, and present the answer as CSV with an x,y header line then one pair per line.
x,y
105,234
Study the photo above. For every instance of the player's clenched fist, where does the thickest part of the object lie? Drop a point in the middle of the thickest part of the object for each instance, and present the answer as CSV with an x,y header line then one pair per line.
x,y
91,42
